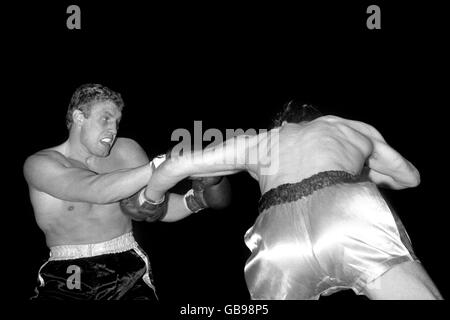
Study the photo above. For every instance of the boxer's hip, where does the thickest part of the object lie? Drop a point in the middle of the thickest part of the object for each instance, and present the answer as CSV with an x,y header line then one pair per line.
x,y
309,233
105,270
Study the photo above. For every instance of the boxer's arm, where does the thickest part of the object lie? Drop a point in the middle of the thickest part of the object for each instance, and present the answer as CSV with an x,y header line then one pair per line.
x,y
227,158
382,180
215,174
385,166
389,168
173,210
50,172
212,193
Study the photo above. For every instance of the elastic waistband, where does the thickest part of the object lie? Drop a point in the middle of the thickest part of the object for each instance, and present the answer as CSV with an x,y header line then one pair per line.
x,y
122,243
290,192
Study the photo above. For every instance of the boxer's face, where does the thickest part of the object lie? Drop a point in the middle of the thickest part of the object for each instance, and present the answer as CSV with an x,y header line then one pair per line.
x,y
99,130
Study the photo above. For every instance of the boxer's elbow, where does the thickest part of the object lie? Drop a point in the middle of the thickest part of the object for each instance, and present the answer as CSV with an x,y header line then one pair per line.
x,y
409,181
412,177
417,177
414,180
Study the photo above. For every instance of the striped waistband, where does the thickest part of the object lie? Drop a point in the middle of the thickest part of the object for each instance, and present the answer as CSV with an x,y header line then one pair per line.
x,y
122,243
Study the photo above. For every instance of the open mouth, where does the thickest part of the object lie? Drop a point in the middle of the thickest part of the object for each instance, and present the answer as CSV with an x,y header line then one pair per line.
x,y
106,141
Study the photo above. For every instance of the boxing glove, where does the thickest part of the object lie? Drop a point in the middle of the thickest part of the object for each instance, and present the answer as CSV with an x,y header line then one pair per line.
x,y
208,192
139,208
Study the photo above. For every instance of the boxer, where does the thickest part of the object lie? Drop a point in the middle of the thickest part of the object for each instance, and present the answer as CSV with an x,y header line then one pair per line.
x,y
323,224
81,191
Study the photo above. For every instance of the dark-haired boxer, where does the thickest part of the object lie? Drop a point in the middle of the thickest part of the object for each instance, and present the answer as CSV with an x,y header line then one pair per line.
x,y
323,224
85,192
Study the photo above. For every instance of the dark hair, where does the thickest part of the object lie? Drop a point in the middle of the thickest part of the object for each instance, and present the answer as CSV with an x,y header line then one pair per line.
x,y
86,95
296,112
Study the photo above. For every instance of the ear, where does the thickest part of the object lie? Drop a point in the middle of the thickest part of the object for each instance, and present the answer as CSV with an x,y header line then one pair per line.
x,y
78,117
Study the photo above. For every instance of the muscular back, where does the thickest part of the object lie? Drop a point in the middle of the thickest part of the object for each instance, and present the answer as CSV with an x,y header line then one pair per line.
x,y
327,143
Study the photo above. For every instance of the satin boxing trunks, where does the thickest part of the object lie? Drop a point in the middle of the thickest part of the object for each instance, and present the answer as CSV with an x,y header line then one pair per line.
x,y
110,270
329,232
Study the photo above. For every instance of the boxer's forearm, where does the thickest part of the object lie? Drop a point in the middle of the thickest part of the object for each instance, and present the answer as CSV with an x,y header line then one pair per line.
x,y
166,176
173,171
120,184
227,158
382,180
216,173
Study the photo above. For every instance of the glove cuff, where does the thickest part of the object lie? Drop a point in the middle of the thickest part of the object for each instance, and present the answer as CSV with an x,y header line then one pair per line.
x,y
143,199
194,202
153,211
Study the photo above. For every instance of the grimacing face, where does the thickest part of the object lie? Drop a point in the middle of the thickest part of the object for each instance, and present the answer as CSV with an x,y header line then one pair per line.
x,y
99,130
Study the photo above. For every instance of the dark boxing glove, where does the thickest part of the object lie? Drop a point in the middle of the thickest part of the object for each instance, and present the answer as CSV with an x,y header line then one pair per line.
x,y
208,192
139,208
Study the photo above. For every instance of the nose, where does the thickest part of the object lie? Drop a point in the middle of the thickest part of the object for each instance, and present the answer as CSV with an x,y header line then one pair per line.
x,y
113,128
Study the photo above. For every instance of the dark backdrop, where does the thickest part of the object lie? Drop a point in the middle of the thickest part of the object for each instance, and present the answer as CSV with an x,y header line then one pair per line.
x,y
231,66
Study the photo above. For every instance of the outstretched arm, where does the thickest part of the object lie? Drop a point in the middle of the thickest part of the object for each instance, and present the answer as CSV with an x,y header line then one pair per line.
x,y
227,158
207,192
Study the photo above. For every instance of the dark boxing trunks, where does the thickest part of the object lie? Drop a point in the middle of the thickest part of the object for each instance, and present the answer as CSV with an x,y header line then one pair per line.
x,y
111,270
329,232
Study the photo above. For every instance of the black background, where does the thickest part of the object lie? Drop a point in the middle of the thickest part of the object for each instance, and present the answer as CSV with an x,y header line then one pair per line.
x,y
230,66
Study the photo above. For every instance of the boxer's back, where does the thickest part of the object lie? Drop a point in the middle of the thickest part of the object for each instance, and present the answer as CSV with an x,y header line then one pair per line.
x,y
327,143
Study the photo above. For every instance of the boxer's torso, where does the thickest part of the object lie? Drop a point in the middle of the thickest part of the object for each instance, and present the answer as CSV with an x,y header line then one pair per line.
x,y
301,151
66,222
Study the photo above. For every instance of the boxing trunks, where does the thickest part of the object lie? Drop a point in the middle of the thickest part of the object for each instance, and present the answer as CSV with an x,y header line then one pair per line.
x,y
110,270
329,232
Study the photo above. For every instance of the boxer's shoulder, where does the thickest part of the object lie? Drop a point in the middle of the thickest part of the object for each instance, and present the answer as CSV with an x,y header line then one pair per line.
x,y
331,118
127,144
42,162
126,148
47,155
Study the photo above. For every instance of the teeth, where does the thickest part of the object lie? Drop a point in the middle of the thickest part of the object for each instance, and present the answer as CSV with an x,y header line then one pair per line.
x,y
107,140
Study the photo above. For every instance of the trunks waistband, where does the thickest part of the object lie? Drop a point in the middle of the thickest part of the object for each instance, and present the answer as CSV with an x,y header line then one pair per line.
x,y
122,243
290,192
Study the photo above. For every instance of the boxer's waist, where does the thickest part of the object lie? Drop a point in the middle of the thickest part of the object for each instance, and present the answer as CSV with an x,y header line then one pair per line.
x,y
290,192
122,243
